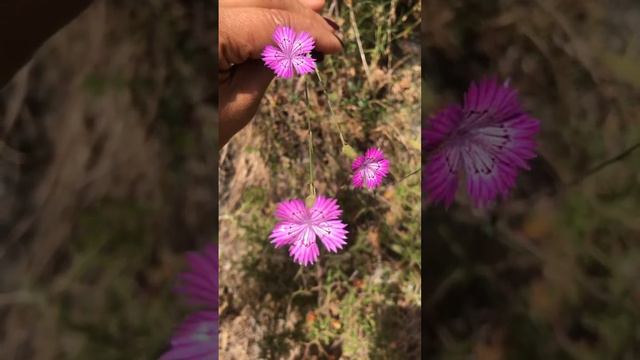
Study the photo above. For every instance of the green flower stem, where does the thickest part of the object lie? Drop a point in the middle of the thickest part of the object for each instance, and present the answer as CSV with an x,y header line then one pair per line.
x,y
312,189
416,171
333,117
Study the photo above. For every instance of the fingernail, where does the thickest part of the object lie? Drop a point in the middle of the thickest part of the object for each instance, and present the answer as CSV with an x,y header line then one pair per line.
x,y
332,24
339,39
317,55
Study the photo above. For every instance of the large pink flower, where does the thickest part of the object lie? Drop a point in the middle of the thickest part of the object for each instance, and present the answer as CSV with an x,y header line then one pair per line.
x,y
291,54
299,226
490,139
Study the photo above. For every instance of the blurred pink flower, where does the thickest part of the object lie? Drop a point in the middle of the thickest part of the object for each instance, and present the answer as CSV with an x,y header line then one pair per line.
x,y
298,227
197,337
291,54
200,284
490,139
370,169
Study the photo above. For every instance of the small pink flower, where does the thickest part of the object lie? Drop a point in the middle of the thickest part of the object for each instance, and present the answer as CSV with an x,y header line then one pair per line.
x,y
292,54
298,227
370,169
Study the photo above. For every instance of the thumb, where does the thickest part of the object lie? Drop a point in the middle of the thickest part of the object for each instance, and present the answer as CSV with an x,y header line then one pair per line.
x,y
246,84
244,32
315,5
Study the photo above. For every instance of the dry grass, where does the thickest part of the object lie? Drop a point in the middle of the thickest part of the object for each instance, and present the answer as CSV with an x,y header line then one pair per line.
x,y
106,173
552,272
364,301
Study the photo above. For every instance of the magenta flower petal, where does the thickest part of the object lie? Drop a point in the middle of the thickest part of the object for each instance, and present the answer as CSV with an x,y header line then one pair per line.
x,y
305,254
285,233
200,284
277,61
196,338
284,36
291,54
302,46
370,169
489,139
292,210
332,233
299,227
441,175
325,209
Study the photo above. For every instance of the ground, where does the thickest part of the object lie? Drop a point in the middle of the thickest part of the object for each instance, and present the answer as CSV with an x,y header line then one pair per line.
x,y
551,272
107,176
363,302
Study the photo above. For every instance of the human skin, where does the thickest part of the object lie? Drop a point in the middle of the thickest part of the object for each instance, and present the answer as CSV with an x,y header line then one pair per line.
x,y
26,24
245,28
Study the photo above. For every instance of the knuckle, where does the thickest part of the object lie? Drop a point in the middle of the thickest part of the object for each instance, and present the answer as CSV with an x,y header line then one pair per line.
x,y
279,17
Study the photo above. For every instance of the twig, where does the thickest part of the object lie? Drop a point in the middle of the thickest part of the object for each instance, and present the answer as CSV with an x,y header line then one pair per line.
x,y
332,114
579,46
312,189
352,17
333,7
603,165
318,279
390,21
408,175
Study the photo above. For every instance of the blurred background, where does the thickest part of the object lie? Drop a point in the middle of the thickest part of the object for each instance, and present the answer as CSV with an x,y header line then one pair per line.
x,y
364,302
107,176
554,271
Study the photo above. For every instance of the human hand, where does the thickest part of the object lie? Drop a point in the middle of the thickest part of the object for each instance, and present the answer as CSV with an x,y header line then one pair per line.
x,y
245,28
26,24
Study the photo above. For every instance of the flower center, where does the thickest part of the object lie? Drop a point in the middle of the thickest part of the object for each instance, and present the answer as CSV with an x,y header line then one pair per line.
x,y
371,165
308,235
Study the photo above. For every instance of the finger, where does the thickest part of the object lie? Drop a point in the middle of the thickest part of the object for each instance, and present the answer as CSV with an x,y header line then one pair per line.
x,y
315,5
287,5
35,22
236,44
248,84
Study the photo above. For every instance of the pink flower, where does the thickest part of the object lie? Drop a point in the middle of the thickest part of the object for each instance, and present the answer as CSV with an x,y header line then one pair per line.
x,y
292,54
197,337
200,285
370,169
490,139
298,227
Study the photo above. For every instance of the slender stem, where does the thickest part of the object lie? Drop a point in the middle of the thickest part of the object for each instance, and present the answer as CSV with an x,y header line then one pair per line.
x,y
604,164
319,280
409,175
333,117
354,23
565,186
312,189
